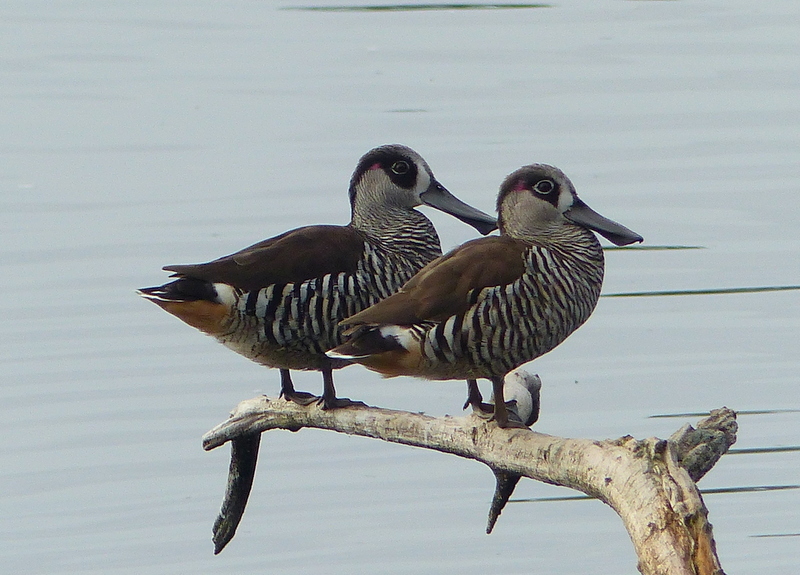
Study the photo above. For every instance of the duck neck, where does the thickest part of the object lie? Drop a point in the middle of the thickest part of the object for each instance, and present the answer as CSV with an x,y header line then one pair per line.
x,y
562,235
571,243
398,229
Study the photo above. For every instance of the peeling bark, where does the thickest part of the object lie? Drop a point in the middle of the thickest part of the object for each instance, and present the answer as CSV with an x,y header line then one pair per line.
x,y
650,483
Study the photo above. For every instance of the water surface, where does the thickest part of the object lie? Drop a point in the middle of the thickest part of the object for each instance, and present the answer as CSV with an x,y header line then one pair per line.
x,y
141,134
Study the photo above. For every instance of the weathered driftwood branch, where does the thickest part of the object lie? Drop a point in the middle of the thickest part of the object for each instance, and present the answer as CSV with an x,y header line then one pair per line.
x,y
649,482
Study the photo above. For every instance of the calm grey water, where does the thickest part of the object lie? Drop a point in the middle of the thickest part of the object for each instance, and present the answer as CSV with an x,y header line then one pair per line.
x,y
137,134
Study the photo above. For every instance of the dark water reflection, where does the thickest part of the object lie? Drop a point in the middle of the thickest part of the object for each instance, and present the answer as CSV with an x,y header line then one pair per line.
x,y
750,489
417,7
709,291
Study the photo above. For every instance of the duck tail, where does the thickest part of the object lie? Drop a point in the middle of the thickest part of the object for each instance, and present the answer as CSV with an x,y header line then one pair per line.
x,y
181,290
363,341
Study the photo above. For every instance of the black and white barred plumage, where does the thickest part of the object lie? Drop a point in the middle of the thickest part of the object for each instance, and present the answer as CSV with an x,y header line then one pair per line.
x,y
495,303
515,323
292,325
280,301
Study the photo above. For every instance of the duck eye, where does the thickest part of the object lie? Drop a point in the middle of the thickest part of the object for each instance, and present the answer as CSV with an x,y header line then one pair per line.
x,y
400,167
544,187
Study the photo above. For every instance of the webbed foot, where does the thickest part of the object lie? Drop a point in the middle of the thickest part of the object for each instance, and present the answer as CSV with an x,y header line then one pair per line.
x,y
300,397
338,402
509,423
482,410
289,394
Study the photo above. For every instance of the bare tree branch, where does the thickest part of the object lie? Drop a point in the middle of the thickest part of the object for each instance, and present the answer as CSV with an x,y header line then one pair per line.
x,y
242,471
647,482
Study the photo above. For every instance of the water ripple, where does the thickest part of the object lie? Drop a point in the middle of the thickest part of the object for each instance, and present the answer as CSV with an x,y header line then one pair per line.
x,y
738,412
414,7
709,291
710,491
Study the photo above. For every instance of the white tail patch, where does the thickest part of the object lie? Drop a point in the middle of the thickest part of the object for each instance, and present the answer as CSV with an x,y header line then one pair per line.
x,y
402,335
225,294
395,334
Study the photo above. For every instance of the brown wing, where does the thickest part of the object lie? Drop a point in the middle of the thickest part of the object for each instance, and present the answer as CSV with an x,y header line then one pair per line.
x,y
443,287
294,256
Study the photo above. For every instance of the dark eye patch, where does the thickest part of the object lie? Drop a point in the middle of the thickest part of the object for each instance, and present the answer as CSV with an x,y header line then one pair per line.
x,y
400,170
394,161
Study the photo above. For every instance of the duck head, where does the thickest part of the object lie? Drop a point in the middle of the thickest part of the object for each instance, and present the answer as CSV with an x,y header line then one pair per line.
x,y
538,199
395,176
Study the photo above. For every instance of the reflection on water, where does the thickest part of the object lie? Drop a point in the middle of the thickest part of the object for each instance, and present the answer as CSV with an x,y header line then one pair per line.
x,y
711,491
416,7
646,248
749,489
738,412
711,291
749,450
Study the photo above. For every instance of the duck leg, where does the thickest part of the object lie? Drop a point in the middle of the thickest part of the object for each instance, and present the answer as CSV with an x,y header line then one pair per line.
x,y
475,399
289,394
329,399
500,409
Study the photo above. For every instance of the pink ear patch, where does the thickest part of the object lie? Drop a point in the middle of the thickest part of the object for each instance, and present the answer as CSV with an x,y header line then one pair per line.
x,y
375,166
520,186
